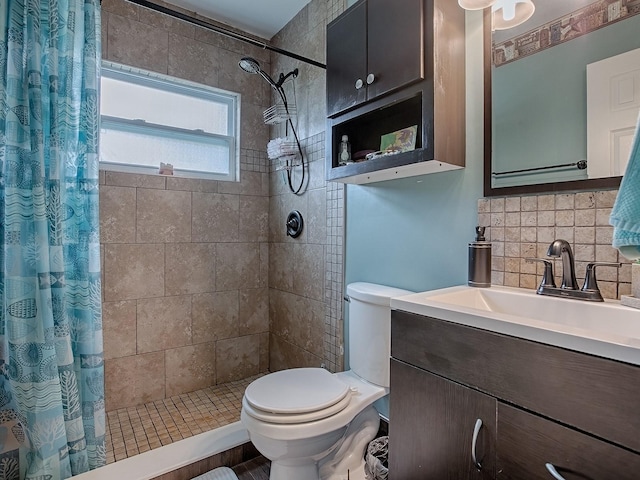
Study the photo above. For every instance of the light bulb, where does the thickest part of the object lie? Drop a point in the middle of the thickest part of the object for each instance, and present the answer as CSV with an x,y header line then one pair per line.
x,y
511,13
508,10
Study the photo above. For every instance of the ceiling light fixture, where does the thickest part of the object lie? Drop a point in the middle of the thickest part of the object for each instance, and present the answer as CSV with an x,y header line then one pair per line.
x,y
511,13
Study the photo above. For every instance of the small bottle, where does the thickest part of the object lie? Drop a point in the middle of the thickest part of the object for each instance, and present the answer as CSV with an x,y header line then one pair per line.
x,y
345,151
480,260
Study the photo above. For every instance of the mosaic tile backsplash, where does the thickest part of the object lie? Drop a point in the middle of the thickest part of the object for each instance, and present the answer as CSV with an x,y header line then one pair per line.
x,y
523,227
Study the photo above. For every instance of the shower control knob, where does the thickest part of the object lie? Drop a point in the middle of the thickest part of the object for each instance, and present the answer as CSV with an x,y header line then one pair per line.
x,y
359,84
371,78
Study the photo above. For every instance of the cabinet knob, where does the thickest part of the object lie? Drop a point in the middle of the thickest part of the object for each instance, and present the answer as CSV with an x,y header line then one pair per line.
x,y
371,78
359,84
474,457
554,473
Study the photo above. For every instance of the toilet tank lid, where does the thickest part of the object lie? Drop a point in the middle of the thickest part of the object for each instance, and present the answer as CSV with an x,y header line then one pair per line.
x,y
373,293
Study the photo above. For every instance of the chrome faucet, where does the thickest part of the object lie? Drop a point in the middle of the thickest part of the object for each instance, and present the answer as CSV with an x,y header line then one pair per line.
x,y
561,248
569,288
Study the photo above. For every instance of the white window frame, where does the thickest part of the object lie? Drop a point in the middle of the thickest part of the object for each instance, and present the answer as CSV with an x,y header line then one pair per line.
x,y
172,84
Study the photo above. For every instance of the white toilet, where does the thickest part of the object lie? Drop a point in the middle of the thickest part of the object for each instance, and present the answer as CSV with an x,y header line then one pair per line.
x,y
313,424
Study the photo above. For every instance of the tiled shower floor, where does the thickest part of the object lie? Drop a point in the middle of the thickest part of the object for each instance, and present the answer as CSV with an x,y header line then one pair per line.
x,y
135,430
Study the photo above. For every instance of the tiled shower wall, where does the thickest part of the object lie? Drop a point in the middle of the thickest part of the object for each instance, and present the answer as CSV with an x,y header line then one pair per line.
x,y
186,300
189,300
305,274
523,227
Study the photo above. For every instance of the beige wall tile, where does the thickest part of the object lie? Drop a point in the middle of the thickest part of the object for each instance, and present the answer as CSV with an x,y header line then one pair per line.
x,y
134,380
192,60
250,184
117,214
254,311
281,265
166,22
585,200
264,352
120,7
237,358
119,328
565,201
529,204
163,216
215,217
297,320
133,271
190,268
138,44
512,204
192,184
316,221
308,271
163,323
215,316
283,355
190,368
606,198
237,266
253,133
254,219
121,179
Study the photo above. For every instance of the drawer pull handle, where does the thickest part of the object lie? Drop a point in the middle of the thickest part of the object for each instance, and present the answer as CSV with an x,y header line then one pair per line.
x,y
476,431
554,473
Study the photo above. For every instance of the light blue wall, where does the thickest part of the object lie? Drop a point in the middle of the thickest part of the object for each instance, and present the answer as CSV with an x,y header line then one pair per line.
x,y
538,118
413,233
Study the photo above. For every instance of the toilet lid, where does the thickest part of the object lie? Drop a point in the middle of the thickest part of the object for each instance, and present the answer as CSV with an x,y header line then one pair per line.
x,y
296,391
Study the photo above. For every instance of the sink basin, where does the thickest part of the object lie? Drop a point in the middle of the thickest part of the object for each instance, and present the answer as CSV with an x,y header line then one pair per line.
x,y
606,329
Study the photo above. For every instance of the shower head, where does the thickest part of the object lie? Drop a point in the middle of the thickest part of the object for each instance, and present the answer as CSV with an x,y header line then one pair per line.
x,y
251,65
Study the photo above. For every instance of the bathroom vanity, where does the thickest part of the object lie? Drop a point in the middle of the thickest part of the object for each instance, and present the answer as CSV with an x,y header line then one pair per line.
x,y
544,410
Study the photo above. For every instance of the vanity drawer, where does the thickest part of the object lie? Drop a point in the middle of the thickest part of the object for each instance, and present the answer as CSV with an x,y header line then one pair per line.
x,y
593,394
526,443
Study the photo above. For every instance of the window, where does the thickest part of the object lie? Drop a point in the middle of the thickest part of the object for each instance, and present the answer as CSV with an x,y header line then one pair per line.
x,y
148,119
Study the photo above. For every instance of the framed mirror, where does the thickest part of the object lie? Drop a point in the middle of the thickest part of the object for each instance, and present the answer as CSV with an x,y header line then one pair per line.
x,y
540,129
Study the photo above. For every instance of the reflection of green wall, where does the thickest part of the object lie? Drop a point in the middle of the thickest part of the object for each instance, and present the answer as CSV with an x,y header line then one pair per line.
x,y
539,102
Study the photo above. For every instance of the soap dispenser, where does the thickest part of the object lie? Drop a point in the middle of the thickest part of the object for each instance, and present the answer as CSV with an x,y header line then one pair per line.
x,y
480,260
345,151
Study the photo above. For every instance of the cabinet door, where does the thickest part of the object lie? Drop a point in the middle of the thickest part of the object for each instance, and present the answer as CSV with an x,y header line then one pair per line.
x,y
527,443
431,428
347,59
396,44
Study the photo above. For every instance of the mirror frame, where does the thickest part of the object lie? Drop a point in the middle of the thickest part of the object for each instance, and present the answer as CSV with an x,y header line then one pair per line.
x,y
489,191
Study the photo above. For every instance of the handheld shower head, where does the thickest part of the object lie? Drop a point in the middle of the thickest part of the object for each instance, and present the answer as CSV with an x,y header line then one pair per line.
x,y
251,65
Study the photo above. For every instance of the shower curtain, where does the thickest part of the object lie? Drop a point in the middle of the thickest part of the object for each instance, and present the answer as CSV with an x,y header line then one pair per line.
x,y
52,420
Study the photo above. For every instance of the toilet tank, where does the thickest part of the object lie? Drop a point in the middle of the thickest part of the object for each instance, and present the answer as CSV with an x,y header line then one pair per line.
x,y
370,330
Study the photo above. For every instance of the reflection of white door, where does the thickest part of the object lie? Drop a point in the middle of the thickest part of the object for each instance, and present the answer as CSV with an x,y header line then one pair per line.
x,y
613,103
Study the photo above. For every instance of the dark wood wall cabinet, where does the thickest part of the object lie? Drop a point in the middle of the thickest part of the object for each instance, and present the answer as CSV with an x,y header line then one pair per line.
x,y
392,65
472,404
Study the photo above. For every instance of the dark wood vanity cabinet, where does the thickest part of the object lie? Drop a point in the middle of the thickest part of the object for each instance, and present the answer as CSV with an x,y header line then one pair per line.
x,y
542,407
433,424
374,48
392,65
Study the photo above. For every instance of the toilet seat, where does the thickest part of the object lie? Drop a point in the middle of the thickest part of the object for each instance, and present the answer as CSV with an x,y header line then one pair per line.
x,y
296,396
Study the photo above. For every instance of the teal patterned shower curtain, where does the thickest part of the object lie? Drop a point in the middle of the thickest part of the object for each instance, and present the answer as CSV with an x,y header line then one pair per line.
x,y
52,420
